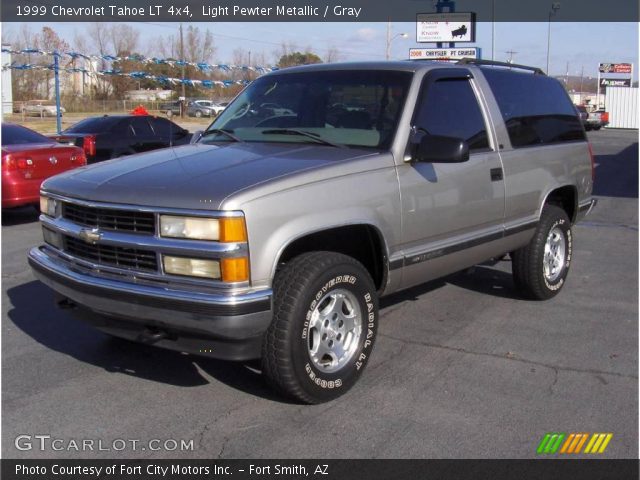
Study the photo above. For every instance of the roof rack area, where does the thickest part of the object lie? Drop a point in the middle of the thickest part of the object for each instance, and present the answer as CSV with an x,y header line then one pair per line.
x,y
476,61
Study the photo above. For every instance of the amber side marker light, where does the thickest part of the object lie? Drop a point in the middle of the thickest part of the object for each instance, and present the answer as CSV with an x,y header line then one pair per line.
x,y
232,229
235,269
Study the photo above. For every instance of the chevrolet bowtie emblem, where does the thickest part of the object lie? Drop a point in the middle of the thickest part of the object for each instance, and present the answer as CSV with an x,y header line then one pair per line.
x,y
90,235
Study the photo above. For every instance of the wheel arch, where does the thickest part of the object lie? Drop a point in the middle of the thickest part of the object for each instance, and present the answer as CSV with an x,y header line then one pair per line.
x,y
348,240
565,197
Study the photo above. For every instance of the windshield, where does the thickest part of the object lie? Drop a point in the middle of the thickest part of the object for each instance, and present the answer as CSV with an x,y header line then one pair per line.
x,y
355,108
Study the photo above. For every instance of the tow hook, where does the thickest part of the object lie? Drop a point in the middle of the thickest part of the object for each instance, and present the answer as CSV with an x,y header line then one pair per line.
x,y
64,303
151,336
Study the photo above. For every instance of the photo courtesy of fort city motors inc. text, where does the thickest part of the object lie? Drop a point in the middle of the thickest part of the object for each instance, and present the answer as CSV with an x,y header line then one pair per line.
x,y
328,240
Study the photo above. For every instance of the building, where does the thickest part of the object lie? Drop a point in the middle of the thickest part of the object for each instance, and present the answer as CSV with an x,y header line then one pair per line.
x,y
148,95
5,83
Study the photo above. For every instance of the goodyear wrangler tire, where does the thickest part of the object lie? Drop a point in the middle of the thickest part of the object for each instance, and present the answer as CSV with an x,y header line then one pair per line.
x,y
324,327
540,269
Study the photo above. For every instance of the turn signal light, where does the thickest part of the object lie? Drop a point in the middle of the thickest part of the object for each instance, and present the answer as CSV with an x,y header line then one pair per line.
x,y
232,229
235,269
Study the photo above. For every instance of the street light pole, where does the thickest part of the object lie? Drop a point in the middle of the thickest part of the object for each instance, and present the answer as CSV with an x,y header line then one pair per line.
x,y
391,39
554,8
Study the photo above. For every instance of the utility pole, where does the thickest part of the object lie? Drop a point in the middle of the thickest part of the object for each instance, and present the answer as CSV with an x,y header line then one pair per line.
x,y
581,79
388,52
184,95
511,54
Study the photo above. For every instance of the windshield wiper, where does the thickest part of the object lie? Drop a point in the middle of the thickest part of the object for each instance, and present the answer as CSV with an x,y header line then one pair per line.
x,y
228,133
295,131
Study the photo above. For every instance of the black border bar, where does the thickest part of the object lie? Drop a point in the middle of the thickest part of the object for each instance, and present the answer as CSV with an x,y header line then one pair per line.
x,y
315,10
547,469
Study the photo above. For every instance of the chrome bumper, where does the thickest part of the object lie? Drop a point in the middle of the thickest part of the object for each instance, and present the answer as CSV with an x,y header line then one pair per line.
x,y
231,318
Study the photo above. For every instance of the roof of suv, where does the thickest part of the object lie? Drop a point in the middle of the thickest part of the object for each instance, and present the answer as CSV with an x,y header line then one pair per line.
x,y
401,65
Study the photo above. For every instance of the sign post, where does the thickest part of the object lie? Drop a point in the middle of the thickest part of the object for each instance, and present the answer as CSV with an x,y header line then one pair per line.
x,y
56,63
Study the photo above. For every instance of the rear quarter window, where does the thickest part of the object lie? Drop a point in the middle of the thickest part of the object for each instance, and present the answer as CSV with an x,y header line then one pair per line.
x,y
535,108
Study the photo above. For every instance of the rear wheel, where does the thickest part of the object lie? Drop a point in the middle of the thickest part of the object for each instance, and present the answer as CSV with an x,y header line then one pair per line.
x,y
541,268
324,327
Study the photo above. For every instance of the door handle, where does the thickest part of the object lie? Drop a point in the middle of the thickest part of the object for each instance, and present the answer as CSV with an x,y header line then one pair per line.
x,y
496,174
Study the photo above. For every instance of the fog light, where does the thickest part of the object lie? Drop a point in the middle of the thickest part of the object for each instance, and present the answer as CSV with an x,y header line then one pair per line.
x,y
52,238
191,267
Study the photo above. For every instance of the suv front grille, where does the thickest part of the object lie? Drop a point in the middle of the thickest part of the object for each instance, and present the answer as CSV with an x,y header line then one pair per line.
x,y
144,260
110,219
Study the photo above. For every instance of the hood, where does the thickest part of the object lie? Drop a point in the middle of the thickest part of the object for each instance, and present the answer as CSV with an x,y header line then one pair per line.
x,y
195,176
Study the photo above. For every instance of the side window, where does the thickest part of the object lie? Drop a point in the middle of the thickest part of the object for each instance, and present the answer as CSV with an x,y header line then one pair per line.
x,y
162,127
121,128
141,127
536,109
450,108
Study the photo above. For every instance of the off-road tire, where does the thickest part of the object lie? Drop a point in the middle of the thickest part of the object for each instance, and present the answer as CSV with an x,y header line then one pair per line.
x,y
299,289
528,262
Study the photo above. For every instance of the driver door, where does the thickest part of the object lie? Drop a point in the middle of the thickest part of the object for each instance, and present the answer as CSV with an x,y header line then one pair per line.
x,y
451,211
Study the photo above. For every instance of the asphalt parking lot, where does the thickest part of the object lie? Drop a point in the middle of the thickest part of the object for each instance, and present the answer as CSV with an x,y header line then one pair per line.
x,y
462,366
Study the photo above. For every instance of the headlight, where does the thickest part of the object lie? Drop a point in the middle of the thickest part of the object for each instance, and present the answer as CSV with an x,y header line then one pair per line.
x,y
228,229
191,267
48,206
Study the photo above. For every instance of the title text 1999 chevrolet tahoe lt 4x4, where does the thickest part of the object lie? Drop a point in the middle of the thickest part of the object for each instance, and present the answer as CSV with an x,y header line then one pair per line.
x,y
274,235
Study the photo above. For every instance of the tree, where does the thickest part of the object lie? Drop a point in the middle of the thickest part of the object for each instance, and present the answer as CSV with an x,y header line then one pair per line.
x,y
298,58
36,83
333,55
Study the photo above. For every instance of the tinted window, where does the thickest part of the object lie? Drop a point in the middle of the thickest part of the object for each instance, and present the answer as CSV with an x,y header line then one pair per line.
x,y
535,108
164,128
450,108
93,125
17,135
141,126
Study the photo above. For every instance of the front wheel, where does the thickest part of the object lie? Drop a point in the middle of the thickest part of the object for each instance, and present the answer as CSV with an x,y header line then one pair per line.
x,y
324,327
541,268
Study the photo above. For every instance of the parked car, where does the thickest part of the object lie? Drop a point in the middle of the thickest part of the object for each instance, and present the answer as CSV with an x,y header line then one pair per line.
x,y
41,108
598,119
278,245
583,114
29,158
203,108
107,137
171,108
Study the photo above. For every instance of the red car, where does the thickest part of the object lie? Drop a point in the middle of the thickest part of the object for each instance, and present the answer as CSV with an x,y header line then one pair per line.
x,y
28,159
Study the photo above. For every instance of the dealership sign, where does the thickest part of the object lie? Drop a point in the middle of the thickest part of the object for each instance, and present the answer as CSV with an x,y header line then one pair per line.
x,y
615,82
445,27
443,53
615,68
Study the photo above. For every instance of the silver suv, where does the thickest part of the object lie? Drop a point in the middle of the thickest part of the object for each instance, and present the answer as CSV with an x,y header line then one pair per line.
x,y
275,234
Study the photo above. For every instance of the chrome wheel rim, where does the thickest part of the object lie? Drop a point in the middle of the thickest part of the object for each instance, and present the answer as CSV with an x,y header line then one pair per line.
x,y
334,330
554,254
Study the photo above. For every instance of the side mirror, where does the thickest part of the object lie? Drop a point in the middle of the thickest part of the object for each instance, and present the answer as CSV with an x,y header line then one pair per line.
x,y
196,136
441,149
